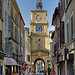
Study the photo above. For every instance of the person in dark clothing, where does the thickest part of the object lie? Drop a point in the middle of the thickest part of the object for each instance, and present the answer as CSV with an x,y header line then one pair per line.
x,y
49,69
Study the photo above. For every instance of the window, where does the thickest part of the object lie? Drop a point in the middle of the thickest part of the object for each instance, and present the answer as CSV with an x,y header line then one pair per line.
x,y
12,12
68,33
7,46
5,19
9,23
67,2
10,47
15,33
38,46
38,39
9,3
0,40
72,27
61,33
1,68
0,8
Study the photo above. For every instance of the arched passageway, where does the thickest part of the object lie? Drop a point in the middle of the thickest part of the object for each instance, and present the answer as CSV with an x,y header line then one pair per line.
x,y
39,65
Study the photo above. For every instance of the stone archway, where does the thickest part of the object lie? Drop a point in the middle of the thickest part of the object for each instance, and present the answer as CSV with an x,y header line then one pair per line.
x,y
42,68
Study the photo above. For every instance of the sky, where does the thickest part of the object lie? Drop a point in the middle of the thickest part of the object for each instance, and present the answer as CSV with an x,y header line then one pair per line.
x,y
27,5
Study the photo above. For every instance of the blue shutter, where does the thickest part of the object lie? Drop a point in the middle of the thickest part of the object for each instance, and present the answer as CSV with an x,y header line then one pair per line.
x,y
7,46
9,23
5,18
10,48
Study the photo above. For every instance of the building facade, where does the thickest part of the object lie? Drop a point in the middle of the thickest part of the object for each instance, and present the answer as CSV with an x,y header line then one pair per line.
x,y
27,51
12,47
2,54
64,46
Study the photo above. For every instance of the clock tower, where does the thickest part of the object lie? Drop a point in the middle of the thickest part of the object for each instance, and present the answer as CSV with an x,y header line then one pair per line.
x,y
40,46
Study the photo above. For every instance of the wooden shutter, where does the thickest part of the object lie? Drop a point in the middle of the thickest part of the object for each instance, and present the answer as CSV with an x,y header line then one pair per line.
x,y
28,57
61,33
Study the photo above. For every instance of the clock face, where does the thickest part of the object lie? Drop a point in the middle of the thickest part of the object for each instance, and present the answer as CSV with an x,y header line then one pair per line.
x,y
38,28
38,17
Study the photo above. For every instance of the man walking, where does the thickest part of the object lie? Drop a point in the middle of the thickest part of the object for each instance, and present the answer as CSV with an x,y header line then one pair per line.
x,y
49,69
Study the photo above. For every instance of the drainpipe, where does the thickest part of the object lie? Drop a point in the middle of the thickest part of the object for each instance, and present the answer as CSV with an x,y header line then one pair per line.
x,y
74,61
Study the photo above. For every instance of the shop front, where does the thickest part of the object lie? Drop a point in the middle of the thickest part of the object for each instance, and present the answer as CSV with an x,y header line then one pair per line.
x,y
70,65
11,66
2,55
61,66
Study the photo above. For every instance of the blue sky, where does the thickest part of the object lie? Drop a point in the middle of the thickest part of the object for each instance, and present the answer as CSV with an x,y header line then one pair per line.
x,y
27,5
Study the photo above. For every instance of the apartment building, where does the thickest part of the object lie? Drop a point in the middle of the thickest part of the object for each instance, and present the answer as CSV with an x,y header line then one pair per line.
x,y
11,38
27,50
70,35
2,54
64,35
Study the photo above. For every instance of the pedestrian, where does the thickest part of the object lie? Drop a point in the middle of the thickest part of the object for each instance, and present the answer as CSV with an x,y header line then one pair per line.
x,y
49,69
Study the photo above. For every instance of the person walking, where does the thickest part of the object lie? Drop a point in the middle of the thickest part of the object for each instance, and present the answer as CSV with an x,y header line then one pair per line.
x,y
49,69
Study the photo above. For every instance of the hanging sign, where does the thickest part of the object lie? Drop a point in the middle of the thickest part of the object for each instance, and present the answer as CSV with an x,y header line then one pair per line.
x,y
20,57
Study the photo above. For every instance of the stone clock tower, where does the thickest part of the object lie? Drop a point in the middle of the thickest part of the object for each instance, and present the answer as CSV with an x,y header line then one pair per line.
x,y
40,46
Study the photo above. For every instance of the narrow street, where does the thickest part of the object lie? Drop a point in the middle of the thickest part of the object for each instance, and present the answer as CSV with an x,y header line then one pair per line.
x,y
37,37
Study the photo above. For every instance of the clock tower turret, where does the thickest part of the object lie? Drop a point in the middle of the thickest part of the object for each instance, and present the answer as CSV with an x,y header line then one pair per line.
x,y
39,5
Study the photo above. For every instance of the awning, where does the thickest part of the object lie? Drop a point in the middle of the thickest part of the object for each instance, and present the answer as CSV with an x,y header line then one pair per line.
x,y
10,61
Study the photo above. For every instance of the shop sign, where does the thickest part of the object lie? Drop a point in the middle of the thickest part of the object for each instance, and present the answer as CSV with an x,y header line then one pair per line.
x,y
20,57
53,73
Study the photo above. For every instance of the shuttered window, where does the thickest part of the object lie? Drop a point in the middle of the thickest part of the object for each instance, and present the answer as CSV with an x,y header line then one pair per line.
x,y
67,33
28,57
62,33
10,47
72,27
5,19
9,3
9,23
0,8
0,40
7,46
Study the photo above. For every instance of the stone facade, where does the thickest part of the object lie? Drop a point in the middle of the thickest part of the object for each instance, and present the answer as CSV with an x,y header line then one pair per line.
x,y
40,46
